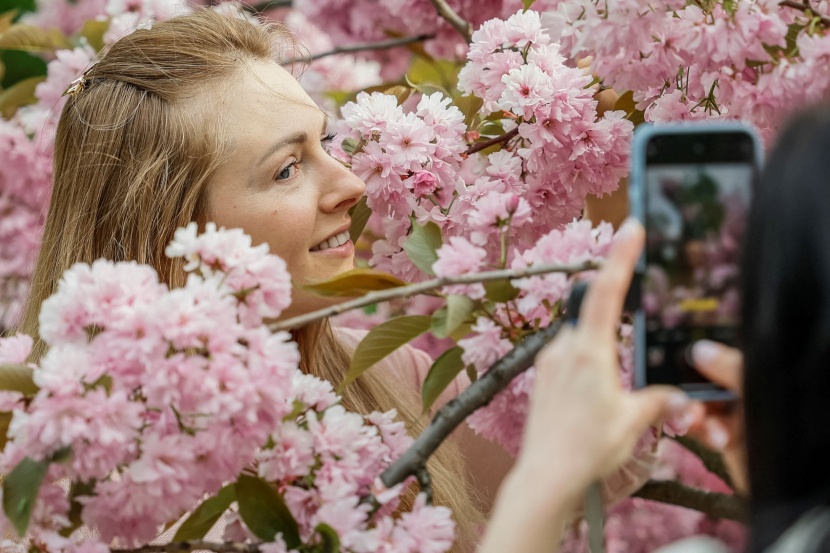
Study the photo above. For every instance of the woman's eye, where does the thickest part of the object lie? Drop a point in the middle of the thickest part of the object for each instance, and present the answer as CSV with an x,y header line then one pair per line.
x,y
289,171
327,140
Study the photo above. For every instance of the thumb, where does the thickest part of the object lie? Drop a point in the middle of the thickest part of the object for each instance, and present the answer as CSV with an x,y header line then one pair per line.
x,y
651,405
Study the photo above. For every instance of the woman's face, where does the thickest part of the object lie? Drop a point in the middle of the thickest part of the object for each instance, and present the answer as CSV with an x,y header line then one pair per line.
x,y
279,184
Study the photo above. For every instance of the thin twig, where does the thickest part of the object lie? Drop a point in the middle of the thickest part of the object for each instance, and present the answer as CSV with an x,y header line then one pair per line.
x,y
805,7
712,460
713,504
195,545
427,286
445,11
351,48
479,394
266,5
506,137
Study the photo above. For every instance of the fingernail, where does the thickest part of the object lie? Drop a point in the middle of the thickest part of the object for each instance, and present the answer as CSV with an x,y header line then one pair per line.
x,y
705,351
716,435
628,228
678,403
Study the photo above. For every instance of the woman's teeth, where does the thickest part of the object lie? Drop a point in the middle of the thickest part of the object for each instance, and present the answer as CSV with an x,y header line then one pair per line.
x,y
333,242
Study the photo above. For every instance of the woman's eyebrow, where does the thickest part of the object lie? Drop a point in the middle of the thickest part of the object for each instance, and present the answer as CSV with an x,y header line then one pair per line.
x,y
296,138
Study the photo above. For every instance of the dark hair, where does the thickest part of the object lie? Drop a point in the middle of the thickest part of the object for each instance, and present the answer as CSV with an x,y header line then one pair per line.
x,y
786,330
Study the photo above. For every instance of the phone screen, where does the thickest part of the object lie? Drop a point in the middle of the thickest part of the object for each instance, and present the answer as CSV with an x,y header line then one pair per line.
x,y
695,211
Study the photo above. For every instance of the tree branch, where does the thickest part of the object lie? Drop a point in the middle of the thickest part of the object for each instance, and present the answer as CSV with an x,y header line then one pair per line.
x,y
712,460
477,147
479,394
427,286
445,11
805,7
266,5
351,48
195,545
713,504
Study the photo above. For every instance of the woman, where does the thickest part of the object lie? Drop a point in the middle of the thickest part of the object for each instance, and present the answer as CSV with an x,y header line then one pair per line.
x,y
193,120
776,442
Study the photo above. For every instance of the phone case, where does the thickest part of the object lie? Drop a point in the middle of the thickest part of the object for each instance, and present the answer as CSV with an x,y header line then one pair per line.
x,y
642,135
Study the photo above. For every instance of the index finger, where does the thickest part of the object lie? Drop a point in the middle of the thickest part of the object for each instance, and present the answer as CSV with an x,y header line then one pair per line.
x,y
602,307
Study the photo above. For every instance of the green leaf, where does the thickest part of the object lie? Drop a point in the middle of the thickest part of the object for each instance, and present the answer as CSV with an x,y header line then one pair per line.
x,y
445,321
329,540
429,75
20,94
442,372
19,66
20,489
33,39
500,291
264,511
527,4
6,20
471,373
19,5
469,106
200,521
383,340
17,378
422,245
360,213
357,282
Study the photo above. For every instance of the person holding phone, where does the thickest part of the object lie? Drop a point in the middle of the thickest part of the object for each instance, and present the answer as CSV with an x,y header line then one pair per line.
x,y
775,436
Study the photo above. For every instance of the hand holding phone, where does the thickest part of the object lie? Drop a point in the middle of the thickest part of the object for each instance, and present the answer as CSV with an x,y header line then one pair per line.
x,y
691,186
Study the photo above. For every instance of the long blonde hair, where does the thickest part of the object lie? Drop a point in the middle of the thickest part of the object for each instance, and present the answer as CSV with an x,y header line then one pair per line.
x,y
131,165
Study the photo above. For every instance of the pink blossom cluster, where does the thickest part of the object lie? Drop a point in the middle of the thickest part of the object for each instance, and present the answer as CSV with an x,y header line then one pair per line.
x,y
555,149
154,398
754,61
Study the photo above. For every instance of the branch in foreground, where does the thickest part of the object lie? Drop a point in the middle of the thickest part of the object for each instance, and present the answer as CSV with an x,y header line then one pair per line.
x,y
351,48
804,6
445,11
506,137
427,286
195,545
712,460
713,504
479,394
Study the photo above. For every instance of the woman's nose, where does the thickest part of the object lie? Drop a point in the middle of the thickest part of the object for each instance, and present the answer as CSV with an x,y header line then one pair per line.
x,y
341,188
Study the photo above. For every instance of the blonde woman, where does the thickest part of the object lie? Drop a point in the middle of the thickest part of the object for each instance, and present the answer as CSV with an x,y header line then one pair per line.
x,y
196,120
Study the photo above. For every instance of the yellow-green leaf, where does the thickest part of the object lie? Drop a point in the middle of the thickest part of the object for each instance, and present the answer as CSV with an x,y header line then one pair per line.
x,y
78,489
264,511
21,93
6,20
5,421
93,31
33,39
448,319
356,282
442,74
527,4
442,372
20,489
17,378
627,104
422,245
201,520
402,93
360,214
383,340
469,106
500,291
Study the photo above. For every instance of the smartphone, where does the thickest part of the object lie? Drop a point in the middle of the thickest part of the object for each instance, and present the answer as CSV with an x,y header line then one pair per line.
x,y
691,187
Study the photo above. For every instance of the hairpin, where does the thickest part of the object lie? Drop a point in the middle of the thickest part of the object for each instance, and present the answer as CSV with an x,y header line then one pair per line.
x,y
78,85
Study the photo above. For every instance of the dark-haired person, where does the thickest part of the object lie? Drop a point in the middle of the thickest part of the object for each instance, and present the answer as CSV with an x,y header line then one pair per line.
x,y
777,439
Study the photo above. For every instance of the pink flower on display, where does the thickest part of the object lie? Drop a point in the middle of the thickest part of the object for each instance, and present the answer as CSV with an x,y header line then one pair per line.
x,y
14,350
